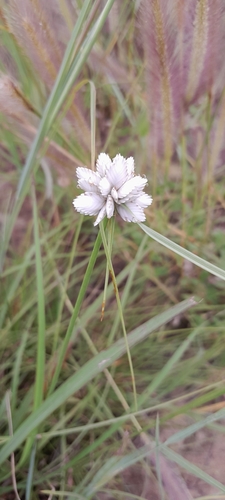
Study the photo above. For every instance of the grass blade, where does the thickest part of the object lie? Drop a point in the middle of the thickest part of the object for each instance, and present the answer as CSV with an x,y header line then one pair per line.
x,y
40,364
191,429
167,368
87,373
30,474
191,468
198,261
16,370
40,370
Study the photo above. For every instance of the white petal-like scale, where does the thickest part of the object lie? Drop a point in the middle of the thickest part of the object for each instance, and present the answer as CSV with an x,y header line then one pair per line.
x,y
104,186
117,174
132,187
114,194
109,207
130,167
88,175
137,212
143,200
131,212
87,186
101,215
88,203
124,213
103,164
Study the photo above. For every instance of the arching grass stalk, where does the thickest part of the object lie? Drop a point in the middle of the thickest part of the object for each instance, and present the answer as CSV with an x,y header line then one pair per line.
x,y
111,271
186,254
126,291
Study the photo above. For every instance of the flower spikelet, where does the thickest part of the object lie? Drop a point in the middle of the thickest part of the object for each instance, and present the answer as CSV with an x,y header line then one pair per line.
x,y
113,187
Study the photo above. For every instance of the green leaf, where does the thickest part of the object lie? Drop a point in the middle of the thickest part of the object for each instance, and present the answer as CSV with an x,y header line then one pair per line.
x,y
198,261
40,364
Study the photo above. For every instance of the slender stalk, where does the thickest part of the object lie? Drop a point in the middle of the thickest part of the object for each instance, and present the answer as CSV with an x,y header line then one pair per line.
x,y
111,270
39,380
184,181
127,288
110,228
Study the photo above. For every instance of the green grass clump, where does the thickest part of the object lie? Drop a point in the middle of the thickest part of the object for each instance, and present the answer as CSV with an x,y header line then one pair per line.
x,y
87,400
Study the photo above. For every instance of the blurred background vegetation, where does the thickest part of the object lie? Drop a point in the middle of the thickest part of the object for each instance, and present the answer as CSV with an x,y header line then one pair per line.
x,y
147,79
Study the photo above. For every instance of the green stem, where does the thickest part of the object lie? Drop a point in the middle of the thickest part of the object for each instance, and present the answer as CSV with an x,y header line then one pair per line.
x,y
111,270
110,240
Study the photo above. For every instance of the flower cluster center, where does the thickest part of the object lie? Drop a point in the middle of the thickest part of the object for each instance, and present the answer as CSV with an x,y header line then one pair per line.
x,y
114,194
113,187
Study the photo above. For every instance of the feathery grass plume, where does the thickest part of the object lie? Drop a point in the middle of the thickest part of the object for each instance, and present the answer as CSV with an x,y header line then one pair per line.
x,y
12,102
184,45
113,18
28,22
206,71
42,34
58,157
68,12
163,73
54,21
7,62
19,113
217,138
199,46
207,47
108,66
214,56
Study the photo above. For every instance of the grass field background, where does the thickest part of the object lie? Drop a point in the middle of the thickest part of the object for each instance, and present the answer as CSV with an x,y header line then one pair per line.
x,y
86,412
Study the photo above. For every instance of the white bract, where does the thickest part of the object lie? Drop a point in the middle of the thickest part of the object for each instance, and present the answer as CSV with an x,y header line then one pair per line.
x,y
113,187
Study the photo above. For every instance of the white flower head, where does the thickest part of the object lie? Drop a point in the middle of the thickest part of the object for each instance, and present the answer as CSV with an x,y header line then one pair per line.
x,y
113,187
